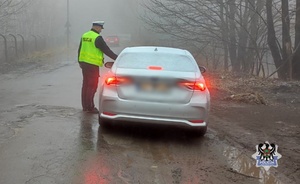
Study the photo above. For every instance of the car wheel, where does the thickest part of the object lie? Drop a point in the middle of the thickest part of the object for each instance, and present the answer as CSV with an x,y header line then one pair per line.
x,y
104,123
199,132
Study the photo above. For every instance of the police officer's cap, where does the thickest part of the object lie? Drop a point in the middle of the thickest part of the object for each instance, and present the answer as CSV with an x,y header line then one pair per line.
x,y
98,23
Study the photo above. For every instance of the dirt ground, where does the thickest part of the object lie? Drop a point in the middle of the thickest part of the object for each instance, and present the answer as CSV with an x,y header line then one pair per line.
x,y
249,110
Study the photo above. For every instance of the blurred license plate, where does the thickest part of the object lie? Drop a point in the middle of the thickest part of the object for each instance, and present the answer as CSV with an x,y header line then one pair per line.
x,y
152,87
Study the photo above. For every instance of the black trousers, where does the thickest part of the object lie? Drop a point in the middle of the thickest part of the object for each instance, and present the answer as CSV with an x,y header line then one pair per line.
x,y
90,75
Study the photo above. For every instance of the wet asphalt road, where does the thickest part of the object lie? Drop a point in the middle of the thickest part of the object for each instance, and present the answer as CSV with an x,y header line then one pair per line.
x,y
46,138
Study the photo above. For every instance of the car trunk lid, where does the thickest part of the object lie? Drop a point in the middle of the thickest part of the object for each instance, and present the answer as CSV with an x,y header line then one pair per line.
x,y
154,85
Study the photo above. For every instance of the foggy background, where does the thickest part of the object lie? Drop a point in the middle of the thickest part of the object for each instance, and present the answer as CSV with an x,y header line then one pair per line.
x,y
48,18
256,37
121,17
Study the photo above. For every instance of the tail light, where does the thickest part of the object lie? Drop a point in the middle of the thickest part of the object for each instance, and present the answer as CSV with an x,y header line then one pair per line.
x,y
109,114
197,121
155,68
117,80
196,86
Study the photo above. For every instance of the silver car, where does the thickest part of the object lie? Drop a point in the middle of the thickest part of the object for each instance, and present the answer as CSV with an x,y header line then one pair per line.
x,y
156,85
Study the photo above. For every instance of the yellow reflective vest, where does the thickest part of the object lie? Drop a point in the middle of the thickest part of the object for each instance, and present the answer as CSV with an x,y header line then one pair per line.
x,y
89,53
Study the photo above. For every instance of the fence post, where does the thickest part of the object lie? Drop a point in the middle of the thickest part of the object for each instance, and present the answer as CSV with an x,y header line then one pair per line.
x,y
16,45
40,41
5,46
35,41
23,43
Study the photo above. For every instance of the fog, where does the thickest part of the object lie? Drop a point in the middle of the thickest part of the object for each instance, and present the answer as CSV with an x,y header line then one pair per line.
x,y
120,17
48,18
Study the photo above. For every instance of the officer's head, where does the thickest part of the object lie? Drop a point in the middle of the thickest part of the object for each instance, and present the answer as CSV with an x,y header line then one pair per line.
x,y
98,26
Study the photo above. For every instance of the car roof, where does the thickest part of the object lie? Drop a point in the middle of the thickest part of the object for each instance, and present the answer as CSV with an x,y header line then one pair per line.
x,y
154,49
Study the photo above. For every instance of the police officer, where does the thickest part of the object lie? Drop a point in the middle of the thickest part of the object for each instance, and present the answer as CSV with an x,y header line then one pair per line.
x,y
90,57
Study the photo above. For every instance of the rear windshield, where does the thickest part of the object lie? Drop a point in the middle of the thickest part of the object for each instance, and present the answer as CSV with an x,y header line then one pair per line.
x,y
169,62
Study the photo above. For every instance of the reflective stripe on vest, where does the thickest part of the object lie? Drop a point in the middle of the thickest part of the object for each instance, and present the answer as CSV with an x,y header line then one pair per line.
x,y
89,53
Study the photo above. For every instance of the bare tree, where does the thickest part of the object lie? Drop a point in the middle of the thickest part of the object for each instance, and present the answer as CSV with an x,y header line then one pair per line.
x,y
286,40
243,36
272,39
224,26
243,30
296,58
256,30
232,36
286,57
9,9
225,22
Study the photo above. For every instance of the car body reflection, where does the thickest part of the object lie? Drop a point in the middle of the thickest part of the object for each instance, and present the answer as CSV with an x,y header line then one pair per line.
x,y
95,167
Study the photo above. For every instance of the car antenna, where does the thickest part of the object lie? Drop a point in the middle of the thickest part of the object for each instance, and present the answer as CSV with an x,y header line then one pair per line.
x,y
155,49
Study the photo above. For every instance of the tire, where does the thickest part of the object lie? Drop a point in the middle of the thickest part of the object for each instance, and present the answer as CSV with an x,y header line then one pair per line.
x,y
104,123
199,132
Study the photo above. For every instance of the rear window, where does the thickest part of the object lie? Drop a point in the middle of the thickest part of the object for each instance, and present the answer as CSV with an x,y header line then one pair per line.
x,y
169,62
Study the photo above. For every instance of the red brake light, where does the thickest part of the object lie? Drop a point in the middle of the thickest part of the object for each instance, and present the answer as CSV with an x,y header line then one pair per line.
x,y
109,114
196,86
111,80
200,86
197,121
155,68
116,80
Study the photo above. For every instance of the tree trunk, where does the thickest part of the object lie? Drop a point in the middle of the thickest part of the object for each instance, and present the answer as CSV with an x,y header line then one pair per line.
x,y
296,58
286,40
272,40
256,7
243,36
232,37
224,32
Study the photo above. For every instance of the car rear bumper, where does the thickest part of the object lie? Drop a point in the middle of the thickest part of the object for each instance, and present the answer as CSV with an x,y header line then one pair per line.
x,y
152,120
119,110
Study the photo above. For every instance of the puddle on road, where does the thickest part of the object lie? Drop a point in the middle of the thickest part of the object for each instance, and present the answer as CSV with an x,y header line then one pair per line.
x,y
246,166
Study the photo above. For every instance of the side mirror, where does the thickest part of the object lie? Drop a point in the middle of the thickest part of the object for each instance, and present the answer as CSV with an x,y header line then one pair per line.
x,y
202,69
108,64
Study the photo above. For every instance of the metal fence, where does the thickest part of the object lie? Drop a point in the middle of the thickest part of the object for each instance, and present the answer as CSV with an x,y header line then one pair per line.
x,y
15,46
